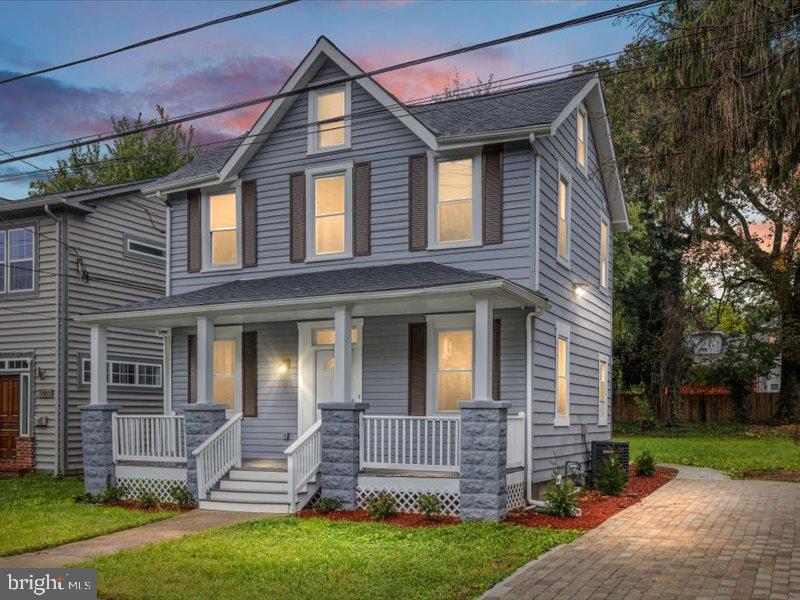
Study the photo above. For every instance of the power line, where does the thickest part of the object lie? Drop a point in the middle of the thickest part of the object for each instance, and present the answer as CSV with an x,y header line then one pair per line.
x,y
153,40
614,12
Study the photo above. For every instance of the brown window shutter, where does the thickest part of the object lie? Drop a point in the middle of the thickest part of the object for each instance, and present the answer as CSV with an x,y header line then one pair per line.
x,y
297,216
417,368
250,374
493,194
362,192
417,202
249,224
496,360
192,367
194,233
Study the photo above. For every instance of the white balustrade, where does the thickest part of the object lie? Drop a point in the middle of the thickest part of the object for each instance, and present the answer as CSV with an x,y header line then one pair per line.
x,y
303,459
149,438
418,443
515,441
219,454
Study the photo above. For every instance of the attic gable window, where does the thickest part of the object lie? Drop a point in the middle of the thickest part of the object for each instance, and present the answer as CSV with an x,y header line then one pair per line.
x,y
564,217
329,127
581,144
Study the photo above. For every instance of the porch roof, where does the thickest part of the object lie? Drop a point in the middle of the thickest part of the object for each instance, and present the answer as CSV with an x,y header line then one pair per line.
x,y
383,289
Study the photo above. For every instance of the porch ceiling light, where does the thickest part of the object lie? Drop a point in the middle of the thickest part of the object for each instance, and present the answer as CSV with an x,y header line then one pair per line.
x,y
580,289
286,363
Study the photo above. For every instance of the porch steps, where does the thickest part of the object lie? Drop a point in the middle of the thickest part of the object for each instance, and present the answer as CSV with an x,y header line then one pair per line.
x,y
254,490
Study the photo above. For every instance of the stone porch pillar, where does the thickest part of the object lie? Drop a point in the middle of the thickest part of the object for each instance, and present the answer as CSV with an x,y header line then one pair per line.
x,y
484,426
340,448
200,421
97,421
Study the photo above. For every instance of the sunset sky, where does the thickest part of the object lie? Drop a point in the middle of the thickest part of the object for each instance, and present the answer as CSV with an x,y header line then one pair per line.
x,y
251,57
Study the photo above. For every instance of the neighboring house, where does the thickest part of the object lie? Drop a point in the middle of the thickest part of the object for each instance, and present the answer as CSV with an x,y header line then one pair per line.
x,y
710,345
406,258
63,255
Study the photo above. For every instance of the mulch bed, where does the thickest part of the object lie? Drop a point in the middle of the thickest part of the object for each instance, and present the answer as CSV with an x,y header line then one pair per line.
x,y
790,476
596,508
359,516
161,507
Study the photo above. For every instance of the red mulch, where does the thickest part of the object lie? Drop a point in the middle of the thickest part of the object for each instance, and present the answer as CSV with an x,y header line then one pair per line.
x,y
136,505
357,516
596,508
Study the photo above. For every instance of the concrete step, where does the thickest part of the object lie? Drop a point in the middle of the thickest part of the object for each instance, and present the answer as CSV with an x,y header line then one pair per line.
x,y
267,497
236,485
239,474
256,507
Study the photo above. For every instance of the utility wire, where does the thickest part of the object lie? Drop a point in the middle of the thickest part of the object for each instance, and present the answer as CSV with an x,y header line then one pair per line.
x,y
153,40
614,12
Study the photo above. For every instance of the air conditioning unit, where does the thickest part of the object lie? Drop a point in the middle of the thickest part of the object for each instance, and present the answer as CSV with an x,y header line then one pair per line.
x,y
605,449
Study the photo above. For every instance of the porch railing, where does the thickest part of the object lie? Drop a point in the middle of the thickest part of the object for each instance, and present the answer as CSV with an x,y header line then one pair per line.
x,y
303,459
149,438
219,454
515,441
418,443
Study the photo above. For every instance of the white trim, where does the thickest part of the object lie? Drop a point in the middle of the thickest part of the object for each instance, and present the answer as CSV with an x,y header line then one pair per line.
x,y
25,396
231,333
206,227
313,124
433,200
566,176
167,372
343,168
562,332
535,226
306,369
583,168
151,472
5,266
435,324
98,389
144,255
168,257
602,411
604,285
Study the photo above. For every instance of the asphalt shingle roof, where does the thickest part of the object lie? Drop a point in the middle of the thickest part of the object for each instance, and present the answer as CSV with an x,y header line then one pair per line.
x,y
73,198
207,162
323,283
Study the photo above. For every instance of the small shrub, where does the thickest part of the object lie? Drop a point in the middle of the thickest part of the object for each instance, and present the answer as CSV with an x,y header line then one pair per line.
x,y
429,505
87,498
113,493
562,498
645,464
382,506
148,500
327,505
610,478
181,496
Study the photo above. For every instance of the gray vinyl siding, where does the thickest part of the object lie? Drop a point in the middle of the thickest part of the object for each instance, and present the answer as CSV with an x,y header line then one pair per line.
x,y
27,328
381,139
589,318
98,238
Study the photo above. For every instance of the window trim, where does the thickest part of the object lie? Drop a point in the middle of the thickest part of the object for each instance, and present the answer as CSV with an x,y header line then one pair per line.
x,y
313,126
562,332
127,239
581,110
435,324
346,169
6,292
206,227
84,384
602,416
604,283
564,175
477,200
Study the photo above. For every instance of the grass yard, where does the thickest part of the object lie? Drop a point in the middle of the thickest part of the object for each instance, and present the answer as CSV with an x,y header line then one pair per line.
x,y
38,512
318,558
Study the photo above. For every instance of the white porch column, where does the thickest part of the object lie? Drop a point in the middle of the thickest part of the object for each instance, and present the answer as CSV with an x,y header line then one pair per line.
x,y
342,354
205,359
484,321
166,370
98,393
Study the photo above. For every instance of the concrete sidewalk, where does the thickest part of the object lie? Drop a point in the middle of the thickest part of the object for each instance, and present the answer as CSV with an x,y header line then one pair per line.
x,y
160,531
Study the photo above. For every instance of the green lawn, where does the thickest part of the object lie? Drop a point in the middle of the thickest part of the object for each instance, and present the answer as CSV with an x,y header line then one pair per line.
x,y
39,512
317,558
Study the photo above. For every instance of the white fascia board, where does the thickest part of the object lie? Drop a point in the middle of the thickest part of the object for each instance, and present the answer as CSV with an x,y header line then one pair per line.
x,y
182,185
456,142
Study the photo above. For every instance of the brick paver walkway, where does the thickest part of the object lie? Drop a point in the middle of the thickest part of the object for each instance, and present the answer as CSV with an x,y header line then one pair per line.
x,y
696,537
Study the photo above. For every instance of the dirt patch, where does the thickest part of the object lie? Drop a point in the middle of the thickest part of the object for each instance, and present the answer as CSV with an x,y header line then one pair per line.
x,y
596,508
357,516
791,476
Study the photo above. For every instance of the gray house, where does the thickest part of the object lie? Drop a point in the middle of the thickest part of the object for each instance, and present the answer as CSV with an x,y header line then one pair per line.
x,y
62,256
365,296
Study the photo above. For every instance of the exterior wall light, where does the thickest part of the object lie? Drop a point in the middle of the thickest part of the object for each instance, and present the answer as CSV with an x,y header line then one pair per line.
x,y
285,365
579,290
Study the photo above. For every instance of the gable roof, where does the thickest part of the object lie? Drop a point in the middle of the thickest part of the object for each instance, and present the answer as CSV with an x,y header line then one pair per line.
x,y
73,201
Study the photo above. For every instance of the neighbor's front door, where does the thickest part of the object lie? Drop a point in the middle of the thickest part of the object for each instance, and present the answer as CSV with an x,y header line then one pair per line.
x,y
9,416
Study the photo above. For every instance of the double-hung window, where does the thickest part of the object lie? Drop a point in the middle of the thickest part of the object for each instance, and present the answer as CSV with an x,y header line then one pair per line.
x,y
604,252
329,128
17,259
581,141
564,217
223,230
562,374
330,212
456,207
602,390
451,361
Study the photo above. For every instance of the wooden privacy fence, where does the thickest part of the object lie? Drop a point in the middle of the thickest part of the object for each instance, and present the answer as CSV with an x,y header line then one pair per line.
x,y
699,408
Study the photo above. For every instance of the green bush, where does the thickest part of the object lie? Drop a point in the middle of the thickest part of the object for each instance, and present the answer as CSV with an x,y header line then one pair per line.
x,y
88,498
181,496
382,506
112,493
610,478
429,505
328,504
148,500
645,464
562,498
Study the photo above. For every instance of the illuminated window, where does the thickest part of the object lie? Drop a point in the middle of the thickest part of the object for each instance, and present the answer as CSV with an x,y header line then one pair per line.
x,y
581,138
327,336
225,373
329,214
564,207
602,391
223,228
455,197
454,372
329,128
562,374
604,253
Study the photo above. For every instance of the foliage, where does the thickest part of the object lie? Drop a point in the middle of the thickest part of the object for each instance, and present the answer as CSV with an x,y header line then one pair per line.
x,y
148,500
463,88
181,496
320,558
610,478
429,505
645,464
561,496
39,512
328,504
88,498
137,156
112,493
382,506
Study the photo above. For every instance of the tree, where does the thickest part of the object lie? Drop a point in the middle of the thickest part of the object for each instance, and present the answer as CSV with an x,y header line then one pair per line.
x,y
141,155
458,88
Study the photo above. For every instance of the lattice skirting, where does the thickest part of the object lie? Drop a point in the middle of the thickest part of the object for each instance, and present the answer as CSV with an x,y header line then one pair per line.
x,y
407,499
516,495
158,481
